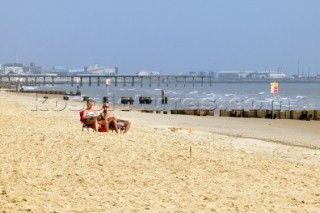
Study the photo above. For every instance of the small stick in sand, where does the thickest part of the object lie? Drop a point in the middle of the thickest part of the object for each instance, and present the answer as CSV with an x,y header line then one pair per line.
x,y
190,152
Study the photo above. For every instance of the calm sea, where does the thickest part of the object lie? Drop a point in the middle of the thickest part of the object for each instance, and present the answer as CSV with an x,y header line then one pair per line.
x,y
218,96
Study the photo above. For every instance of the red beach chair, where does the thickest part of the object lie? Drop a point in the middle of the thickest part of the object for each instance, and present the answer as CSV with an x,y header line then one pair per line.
x,y
84,125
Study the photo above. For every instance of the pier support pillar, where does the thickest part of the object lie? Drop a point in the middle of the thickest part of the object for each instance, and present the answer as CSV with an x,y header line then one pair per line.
x,y
176,83
167,81
98,83
193,81
115,81
132,81
89,81
44,81
71,80
185,80
124,81
150,80
202,81
81,81
159,81
52,80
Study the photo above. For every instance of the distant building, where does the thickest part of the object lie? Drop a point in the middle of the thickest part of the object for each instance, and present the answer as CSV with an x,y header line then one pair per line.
x,y
33,69
275,74
12,68
260,75
202,73
192,73
250,75
235,74
212,74
96,69
60,70
75,71
111,71
148,73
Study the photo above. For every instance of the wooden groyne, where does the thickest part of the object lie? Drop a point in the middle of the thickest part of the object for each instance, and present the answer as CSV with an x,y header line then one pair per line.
x,y
276,114
52,92
195,112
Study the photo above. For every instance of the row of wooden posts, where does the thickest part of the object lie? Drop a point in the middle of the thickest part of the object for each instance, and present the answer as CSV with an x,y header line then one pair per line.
x,y
263,113
197,112
52,92
277,114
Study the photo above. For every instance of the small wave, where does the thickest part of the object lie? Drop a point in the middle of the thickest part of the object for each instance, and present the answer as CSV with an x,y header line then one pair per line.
x,y
267,100
176,93
300,96
261,93
29,87
227,95
194,92
210,94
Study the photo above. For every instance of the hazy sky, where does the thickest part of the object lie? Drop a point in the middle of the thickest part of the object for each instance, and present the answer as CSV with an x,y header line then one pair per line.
x,y
170,36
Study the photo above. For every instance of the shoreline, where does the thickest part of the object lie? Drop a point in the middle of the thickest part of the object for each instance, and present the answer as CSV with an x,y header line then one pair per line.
x,y
49,165
298,133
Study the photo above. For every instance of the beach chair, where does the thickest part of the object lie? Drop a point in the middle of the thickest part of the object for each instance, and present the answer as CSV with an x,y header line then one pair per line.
x,y
84,125
120,126
83,122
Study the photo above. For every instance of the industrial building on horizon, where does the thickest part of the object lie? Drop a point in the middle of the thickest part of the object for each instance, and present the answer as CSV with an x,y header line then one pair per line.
x,y
250,74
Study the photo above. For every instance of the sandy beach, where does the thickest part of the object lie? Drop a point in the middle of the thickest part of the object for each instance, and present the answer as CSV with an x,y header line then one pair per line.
x,y
168,163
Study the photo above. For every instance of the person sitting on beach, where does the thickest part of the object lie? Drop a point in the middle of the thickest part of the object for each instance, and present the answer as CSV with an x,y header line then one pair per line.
x,y
90,117
112,120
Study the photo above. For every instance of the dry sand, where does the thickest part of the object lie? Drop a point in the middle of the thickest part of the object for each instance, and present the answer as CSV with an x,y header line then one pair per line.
x,y
169,163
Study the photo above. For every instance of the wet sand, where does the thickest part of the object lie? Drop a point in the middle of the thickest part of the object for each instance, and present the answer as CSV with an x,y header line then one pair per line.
x,y
169,163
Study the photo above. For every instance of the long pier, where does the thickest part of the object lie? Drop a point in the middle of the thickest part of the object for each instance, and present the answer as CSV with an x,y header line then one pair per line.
x,y
129,80
116,80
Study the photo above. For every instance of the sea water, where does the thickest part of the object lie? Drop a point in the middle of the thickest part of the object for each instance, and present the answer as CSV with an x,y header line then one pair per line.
x,y
291,96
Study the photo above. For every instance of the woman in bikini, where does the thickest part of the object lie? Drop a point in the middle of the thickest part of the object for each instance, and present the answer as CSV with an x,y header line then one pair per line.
x,y
91,118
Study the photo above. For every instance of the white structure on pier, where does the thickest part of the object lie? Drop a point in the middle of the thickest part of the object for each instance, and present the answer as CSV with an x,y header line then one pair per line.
x,y
96,69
